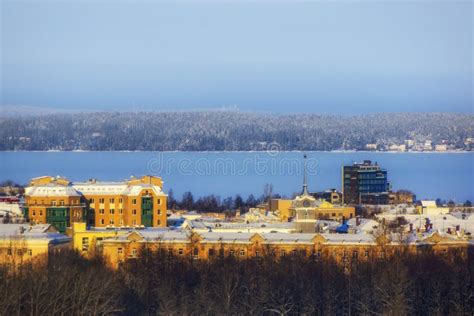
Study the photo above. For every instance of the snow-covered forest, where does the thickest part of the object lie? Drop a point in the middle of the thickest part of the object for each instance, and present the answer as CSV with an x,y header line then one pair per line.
x,y
230,131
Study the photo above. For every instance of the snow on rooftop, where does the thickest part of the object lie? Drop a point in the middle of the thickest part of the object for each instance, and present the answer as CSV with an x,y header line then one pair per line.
x,y
40,231
51,190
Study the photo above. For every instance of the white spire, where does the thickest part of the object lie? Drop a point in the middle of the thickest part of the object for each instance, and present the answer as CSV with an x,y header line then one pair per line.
x,y
305,180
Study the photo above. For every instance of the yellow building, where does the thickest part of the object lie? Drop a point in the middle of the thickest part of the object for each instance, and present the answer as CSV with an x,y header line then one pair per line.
x,y
431,208
280,207
89,241
343,248
21,243
306,209
131,203
54,201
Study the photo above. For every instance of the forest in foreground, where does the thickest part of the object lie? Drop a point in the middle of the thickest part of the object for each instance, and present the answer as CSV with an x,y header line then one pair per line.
x,y
230,131
157,284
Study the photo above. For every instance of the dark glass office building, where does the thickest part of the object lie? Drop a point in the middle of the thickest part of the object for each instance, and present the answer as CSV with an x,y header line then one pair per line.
x,y
365,183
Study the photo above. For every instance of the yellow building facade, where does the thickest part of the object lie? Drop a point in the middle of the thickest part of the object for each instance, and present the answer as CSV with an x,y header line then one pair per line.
x,y
281,207
342,248
21,243
131,203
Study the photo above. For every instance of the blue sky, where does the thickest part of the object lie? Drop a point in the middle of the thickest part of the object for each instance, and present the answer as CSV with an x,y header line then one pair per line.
x,y
323,57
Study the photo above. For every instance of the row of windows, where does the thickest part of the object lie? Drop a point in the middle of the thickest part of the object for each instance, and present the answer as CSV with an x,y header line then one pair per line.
x,y
120,200
282,253
120,211
33,212
56,203
102,200
120,222
19,252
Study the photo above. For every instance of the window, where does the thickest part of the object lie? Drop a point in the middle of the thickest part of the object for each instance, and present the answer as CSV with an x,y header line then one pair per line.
x,y
53,203
232,253
355,255
257,253
9,251
134,212
101,200
111,222
91,200
319,254
102,221
112,200
159,212
134,252
61,202
120,210
382,254
85,243
242,253
134,201
158,201
120,200
120,250
196,252
366,254
282,253
101,211
30,252
120,222
41,213
134,222
112,211
158,222
180,251
211,252
34,213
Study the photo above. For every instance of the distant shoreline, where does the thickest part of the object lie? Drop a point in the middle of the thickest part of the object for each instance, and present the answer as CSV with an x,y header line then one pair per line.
x,y
243,151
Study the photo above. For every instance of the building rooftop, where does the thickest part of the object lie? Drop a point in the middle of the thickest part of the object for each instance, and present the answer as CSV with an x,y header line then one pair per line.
x,y
40,232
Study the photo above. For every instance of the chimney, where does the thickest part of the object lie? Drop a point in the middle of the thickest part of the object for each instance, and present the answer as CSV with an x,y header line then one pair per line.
x,y
411,227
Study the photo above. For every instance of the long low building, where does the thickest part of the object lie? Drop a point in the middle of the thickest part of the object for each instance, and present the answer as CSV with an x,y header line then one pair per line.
x,y
343,248
21,242
60,202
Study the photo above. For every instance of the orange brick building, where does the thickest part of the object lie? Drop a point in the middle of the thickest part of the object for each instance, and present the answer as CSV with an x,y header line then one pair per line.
x,y
135,202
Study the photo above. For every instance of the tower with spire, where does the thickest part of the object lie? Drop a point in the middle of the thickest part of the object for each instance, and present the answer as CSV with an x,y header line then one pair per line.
x,y
305,177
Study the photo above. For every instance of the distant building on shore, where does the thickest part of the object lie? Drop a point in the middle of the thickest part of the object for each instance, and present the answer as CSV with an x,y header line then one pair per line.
x,y
365,183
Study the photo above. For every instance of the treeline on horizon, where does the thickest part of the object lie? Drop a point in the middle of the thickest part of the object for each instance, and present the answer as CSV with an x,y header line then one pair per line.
x,y
159,284
214,204
227,131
